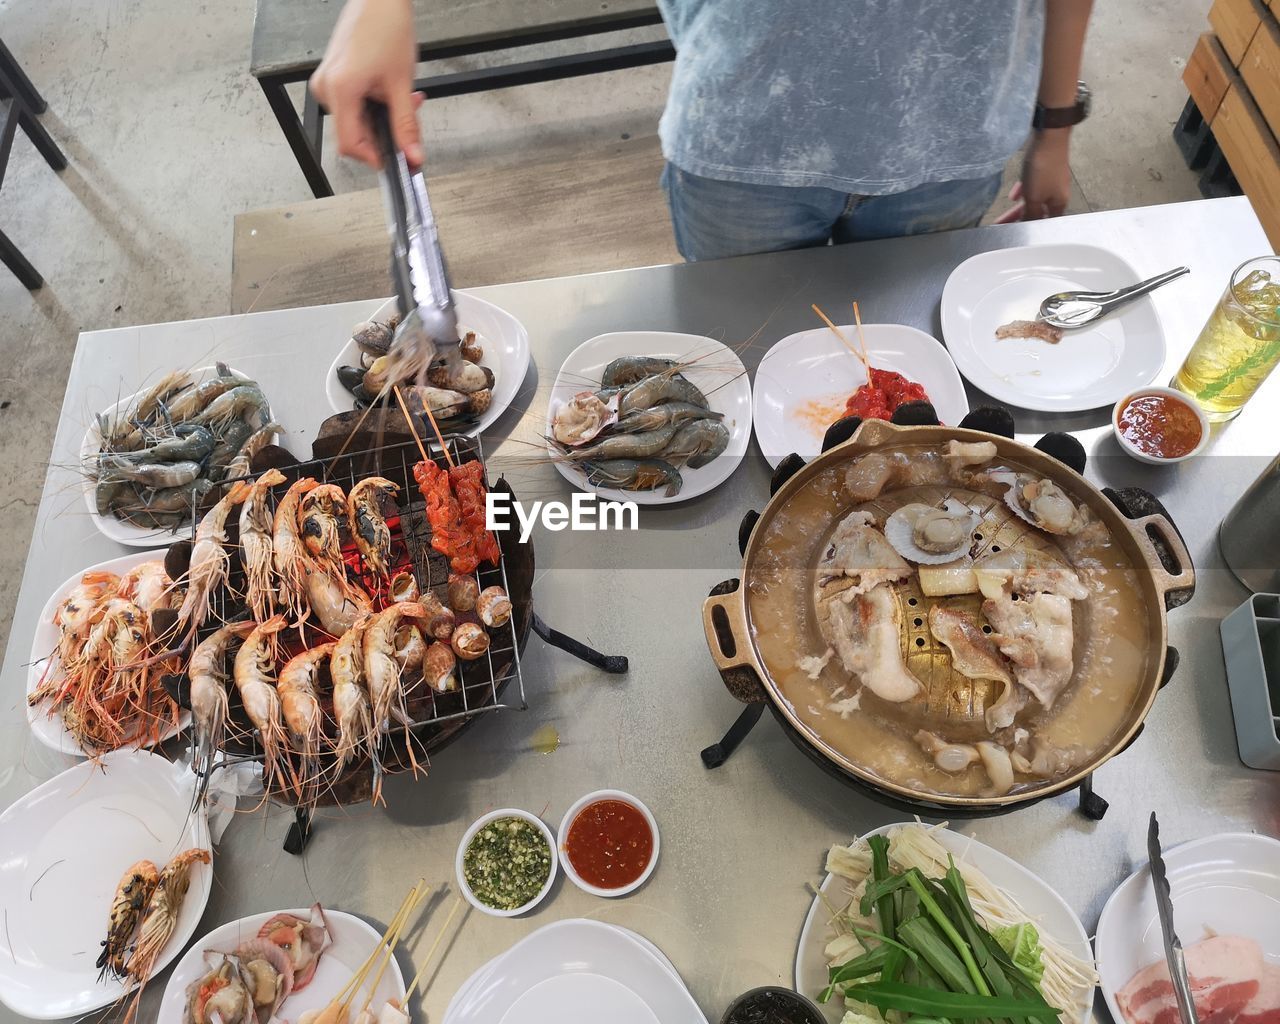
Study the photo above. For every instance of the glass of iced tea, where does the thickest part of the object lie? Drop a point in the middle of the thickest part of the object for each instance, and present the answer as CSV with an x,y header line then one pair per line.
x,y
1239,345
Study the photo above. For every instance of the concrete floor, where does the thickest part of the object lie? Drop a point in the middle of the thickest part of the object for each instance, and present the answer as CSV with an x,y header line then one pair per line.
x,y
169,137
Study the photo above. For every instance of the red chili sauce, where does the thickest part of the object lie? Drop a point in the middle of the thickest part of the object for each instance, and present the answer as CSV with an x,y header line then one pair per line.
x,y
1160,426
879,398
610,844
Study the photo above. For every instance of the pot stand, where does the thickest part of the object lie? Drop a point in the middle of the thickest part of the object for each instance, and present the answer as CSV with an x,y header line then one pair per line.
x,y
1132,501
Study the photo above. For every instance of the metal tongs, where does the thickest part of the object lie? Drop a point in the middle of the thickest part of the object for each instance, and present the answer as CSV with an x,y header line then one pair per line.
x,y
428,326
1172,944
1066,310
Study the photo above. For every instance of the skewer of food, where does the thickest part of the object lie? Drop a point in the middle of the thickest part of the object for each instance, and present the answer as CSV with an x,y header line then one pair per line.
x,y
885,390
158,453
636,432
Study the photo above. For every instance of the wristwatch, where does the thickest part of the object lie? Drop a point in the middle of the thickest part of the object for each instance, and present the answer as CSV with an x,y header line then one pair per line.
x,y
1063,117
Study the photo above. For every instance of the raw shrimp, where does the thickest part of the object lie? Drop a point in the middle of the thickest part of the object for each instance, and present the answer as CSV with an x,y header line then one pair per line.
x,y
256,682
696,444
632,369
256,524
319,514
209,560
661,415
288,552
209,678
236,404
623,446
242,464
300,705
226,451
169,385
658,389
194,400
131,898
159,920
156,475
190,443
336,603
368,527
634,475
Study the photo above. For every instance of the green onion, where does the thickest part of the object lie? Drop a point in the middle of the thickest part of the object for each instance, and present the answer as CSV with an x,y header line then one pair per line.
x,y
926,940
879,872
917,882
887,995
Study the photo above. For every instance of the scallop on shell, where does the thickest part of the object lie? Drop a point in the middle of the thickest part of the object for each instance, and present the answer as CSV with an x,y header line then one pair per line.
x,y
584,416
929,535
1040,502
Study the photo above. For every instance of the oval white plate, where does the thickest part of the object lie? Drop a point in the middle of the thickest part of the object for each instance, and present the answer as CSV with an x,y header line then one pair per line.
x,y
596,973
1042,905
109,526
63,849
1091,367
478,979
353,941
48,729
716,370
803,382
503,338
1228,883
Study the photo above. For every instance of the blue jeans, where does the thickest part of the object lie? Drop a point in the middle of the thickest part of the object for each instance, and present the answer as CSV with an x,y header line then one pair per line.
x,y
713,219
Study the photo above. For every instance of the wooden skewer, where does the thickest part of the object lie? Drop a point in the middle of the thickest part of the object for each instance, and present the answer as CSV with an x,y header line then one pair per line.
x,y
457,905
409,420
434,426
866,359
390,943
861,357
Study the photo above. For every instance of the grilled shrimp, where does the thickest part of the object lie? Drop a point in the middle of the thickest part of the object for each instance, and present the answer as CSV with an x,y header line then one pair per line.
x,y
256,525
657,389
372,535
300,705
337,603
380,669
131,898
160,919
148,586
256,682
319,515
288,552
634,475
351,698
209,677
209,560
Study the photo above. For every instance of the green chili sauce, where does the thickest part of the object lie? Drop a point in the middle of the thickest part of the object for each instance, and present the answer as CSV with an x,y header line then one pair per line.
x,y
507,863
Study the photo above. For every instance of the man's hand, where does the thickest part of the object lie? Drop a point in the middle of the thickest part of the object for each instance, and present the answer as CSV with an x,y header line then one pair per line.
x,y
1045,186
371,55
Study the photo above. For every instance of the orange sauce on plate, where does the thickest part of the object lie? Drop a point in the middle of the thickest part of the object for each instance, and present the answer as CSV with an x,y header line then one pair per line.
x,y
1160,426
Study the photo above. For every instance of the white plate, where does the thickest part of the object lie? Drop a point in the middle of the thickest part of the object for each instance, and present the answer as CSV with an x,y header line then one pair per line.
x,y
48,729
716,370
63,848
478,978
353,941
1227,883
803,382
1090,367
109,526
502,336
1044,907
576,972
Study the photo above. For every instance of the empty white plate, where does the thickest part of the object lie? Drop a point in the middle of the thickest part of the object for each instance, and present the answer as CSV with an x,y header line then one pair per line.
x,y
1091,367
1041,904
575,972
48,729
803,382
63,849
714,368
502,337
1229,884
353,941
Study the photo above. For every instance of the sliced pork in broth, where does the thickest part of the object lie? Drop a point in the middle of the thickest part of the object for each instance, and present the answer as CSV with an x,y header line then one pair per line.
x,y
866,634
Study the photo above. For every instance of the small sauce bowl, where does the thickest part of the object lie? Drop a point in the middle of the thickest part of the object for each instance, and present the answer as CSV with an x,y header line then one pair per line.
x,y
1171,395
567,823
476,826
772,1003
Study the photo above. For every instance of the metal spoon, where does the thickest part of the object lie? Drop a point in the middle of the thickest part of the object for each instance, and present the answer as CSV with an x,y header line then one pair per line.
x,y
1067,310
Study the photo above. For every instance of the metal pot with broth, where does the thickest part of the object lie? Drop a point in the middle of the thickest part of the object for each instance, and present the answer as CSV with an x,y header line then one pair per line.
x,y
949,616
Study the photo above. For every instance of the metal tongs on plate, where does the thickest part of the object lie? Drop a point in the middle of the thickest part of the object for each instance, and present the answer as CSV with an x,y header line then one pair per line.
x,y
428,327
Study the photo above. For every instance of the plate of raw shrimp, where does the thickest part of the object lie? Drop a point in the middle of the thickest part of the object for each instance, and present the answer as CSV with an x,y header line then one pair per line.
x,y
90,687
649,416
147,457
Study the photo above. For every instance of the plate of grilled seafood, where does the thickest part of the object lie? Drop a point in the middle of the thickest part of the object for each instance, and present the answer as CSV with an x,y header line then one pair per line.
x,y
277,966
105,871
648,416
950,617
150,458
495,358
92,685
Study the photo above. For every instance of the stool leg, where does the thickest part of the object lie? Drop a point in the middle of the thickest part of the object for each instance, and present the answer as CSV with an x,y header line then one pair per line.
x,y
16,262
42,140
26,92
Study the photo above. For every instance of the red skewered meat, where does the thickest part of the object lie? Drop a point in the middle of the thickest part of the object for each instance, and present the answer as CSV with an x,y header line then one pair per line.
x,y
450,534
467,481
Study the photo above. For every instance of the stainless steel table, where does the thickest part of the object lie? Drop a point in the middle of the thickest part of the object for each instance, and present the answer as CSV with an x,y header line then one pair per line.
x,y
739,843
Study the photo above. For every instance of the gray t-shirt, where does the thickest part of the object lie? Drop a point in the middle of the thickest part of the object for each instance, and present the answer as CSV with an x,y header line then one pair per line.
x,y
863,96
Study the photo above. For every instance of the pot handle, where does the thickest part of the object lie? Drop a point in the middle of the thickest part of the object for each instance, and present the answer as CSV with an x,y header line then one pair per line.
x,y
1166,581
724,621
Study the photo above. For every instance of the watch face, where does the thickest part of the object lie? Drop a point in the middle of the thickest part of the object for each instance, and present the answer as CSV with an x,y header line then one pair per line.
x,y
1084,99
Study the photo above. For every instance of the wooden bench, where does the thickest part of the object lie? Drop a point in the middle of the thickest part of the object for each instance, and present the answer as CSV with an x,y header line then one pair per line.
x,y
290,36
593,210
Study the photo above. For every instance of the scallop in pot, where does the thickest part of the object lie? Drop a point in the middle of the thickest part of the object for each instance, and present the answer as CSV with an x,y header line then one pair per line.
x,y
1041,502
928,535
